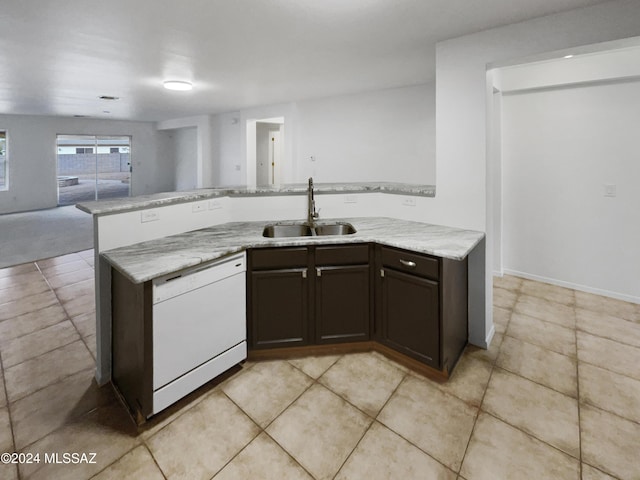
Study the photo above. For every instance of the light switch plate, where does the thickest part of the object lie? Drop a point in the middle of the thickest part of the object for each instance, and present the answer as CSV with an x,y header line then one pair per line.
x,y
610,190
409,202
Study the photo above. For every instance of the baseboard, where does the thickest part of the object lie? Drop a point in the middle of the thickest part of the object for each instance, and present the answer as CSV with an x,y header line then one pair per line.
x,y
574,286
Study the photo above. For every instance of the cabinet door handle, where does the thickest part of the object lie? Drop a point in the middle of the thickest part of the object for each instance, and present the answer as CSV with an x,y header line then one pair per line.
x,y
318,272
304,273
408,263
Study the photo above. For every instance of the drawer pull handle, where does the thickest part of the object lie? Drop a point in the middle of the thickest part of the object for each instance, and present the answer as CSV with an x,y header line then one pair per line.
x,y
318,272
408,263
304,273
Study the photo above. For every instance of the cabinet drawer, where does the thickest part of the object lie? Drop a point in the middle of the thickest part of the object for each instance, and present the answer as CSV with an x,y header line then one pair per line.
x,y
342,255
275,258
410,262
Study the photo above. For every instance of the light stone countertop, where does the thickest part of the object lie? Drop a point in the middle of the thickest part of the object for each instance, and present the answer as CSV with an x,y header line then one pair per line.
x,y
120,205
148,260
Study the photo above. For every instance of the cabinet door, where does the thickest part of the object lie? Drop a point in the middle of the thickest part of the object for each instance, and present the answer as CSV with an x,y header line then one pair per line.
x,y
279,308
342,304
410,316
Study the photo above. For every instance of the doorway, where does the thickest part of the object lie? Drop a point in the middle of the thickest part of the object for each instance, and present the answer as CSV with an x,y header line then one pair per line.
x,y
92,167
265,151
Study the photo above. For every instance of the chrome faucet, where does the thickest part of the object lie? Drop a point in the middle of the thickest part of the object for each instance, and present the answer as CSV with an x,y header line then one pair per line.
x,y
312,214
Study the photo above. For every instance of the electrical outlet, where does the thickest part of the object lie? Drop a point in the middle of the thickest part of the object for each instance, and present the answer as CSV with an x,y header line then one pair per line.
x,y
237,168
610,190
198,207
409,202
350,199
215,204
149,216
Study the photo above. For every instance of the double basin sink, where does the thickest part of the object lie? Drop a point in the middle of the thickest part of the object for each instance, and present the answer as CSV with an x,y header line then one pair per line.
x,y
279,230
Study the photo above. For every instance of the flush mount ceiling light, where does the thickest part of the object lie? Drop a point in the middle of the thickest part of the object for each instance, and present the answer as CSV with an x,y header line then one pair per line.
x,y
108,97
568,56
177,85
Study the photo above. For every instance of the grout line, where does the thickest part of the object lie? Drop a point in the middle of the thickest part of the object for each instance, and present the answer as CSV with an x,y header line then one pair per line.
x,y
578,392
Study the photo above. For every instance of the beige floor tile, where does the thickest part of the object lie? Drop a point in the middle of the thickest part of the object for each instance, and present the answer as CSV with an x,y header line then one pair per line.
x,y
265,390
504,298
9,471
80,289
549,292
47,369
26,305
60,269
17,270
544,413
469,380
34,344
610,355
90,341
544,334
86,323
500,451
319,430
610,391
364,380
607,326
108,432
86,253
551,369
71,278
83,305
608,306
137,464
546,310
37,415
501,317
60,260
436,422
488,355
263,458
609,442
508,282
31,322
18,292
590,473
201,441
382,455
6,438
3,393
20,280
314,366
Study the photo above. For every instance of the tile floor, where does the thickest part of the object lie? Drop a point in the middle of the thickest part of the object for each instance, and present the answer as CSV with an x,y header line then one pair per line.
x,y
557,396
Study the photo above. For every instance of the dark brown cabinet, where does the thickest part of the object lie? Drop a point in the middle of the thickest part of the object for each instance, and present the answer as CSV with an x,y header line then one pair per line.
x,y
309,295
409,315
421,306
278,286
342,294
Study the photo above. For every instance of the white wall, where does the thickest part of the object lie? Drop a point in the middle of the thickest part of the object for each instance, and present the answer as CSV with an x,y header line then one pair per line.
x,y
385,135
226,148
185,151
560,147
382,135
32,160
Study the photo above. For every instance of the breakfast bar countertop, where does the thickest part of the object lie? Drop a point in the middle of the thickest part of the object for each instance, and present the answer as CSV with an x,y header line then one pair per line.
x,y
145,261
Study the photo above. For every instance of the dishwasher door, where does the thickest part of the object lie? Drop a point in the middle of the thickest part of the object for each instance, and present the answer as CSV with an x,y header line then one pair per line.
x,y
197,317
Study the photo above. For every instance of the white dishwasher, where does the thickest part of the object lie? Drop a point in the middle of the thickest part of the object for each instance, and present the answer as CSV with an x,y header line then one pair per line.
x,y
199,327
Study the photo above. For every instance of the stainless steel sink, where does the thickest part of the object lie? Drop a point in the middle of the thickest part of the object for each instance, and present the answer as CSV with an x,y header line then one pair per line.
x,y
335,229
278,230
291,230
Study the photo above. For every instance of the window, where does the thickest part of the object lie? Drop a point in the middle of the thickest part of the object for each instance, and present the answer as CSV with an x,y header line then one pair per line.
x,y
84,150
4,167
114,150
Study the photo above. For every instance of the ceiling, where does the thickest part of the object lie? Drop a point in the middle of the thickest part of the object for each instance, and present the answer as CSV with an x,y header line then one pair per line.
x,y
59,58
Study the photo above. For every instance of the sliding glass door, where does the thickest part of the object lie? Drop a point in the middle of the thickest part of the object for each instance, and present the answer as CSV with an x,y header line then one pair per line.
x,y
92,167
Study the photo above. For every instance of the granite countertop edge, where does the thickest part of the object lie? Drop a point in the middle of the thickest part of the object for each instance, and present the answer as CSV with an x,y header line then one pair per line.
x,y
145,261
122,205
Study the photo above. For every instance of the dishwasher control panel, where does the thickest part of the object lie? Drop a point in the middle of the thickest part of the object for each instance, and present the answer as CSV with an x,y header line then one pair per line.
x,y
172,285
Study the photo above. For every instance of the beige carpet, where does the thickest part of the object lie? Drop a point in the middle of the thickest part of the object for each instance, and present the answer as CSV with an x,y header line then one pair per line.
x,y
30,236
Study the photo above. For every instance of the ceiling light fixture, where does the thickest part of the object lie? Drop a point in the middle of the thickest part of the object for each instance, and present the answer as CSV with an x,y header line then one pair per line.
x,y
568,56
177,85
108,97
